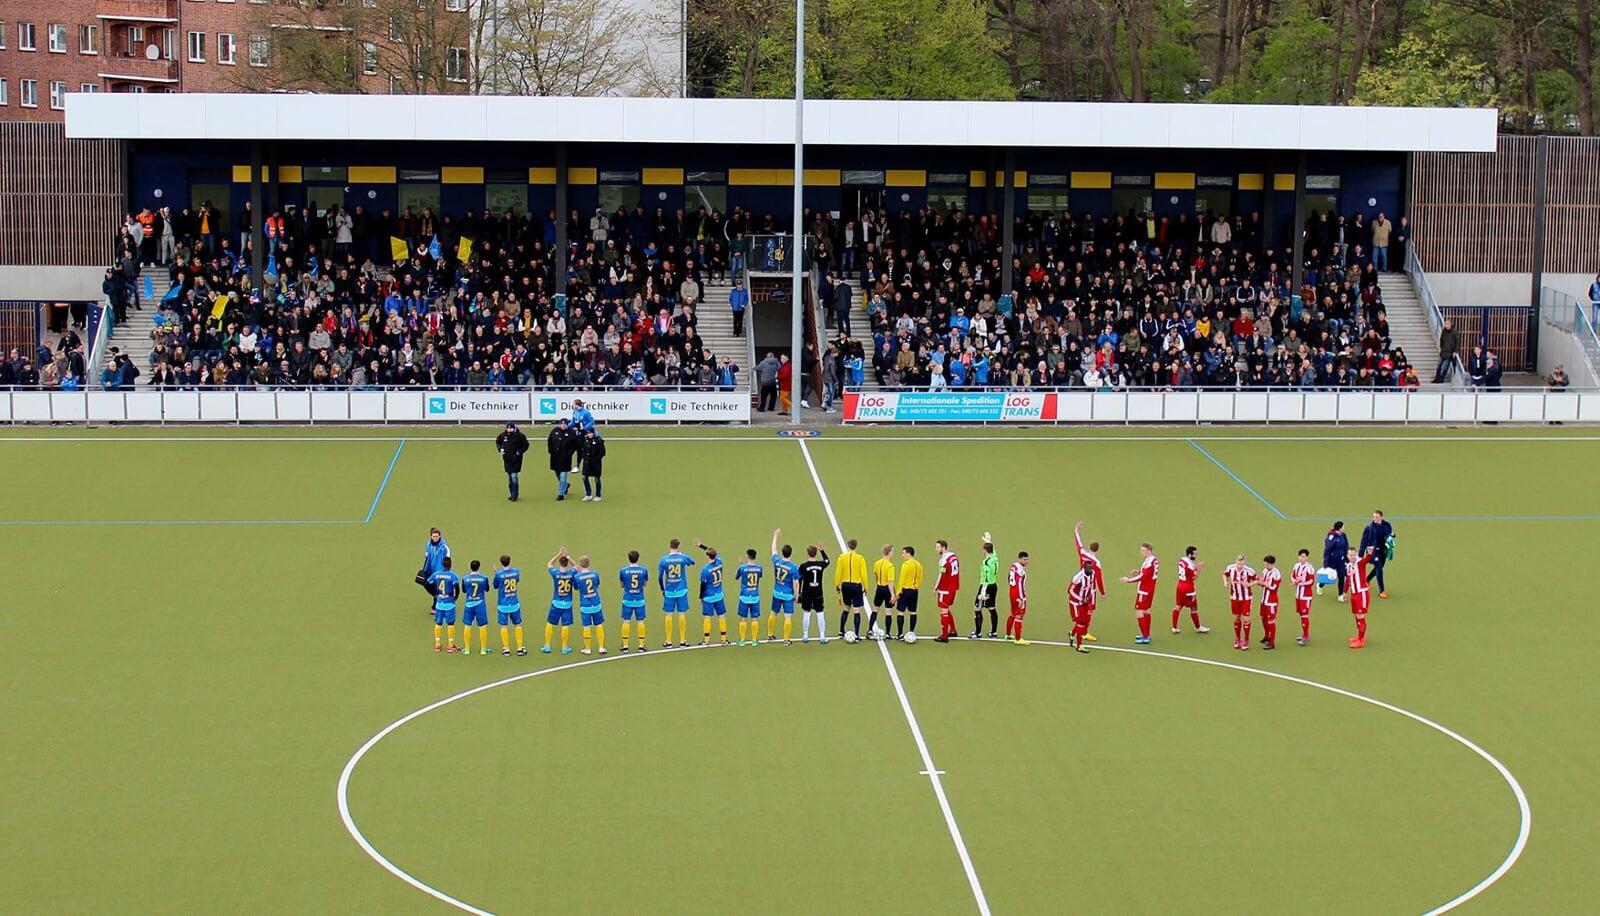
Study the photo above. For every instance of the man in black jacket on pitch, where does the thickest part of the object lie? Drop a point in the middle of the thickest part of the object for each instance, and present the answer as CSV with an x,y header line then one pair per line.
x,y
562,444
512,445
591,454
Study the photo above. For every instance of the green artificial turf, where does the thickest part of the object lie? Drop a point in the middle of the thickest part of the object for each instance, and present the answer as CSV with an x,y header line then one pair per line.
x,y
206,625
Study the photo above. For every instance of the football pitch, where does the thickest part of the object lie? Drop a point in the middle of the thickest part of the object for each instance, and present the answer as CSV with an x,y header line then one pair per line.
x,y
221,693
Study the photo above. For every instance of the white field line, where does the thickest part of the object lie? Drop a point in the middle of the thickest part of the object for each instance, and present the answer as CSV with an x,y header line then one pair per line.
x,y
928,768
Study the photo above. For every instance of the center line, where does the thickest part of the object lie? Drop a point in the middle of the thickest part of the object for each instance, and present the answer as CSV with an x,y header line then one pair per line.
x,y
929,770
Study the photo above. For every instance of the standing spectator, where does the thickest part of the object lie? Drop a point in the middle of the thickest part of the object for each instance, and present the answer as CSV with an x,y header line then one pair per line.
x,y
592,453
1491,373
1594,303
1382,230
830,378
767,383
1376,540
1557,380
561,444
842,295
512,445
1449,341
111,376
168,245
738,301
785,376
1477,367
1334,548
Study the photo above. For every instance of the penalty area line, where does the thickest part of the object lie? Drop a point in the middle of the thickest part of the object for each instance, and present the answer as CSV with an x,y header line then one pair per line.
x,y
929,769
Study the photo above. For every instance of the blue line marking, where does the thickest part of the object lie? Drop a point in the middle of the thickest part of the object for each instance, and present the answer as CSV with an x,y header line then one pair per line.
x,y
384,485
1238,480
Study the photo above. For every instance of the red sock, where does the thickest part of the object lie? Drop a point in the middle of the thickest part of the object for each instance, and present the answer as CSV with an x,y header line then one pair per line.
x,y
1305,626
1246,622
1174,618
1238,627
1269,628
1361,628
946,624
1193,615
1144,625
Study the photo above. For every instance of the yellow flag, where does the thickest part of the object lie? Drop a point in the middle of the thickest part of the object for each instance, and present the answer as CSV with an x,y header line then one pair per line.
x,y
220,307
464,250
397,247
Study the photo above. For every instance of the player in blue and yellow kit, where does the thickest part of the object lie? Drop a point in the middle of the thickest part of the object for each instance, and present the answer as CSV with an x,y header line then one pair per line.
x,y
507,582
784,575
711,603
475,597
446,586
672,574
748,576
561,573
590,613
633,578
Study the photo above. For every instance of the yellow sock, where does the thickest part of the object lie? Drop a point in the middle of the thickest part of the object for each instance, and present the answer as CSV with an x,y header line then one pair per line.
x,y
483,636
683,627
438,634
549,634
517,631
742,629
772,624
588,637
600,635
505,637
466,636
450,631
788,626
722,627
627,632
566,637
705,627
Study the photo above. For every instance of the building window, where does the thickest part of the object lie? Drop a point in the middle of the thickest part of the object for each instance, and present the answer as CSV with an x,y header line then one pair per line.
x,y
197,47
29,93
88,87
135,41
397,86
5,91
224,48
455,6
455,65
25,37
259,49
396,31
58,94
169,44
88,39
2,35
57,36
369,57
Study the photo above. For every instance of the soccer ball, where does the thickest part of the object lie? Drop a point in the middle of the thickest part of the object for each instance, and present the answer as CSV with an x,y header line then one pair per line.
x,y
911,637
851,637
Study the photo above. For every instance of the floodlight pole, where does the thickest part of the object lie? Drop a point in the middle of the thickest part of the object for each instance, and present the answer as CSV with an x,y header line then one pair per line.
x,y
797,245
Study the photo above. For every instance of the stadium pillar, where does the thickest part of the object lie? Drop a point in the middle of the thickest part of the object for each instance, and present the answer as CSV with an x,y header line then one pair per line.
x,y
274,193
1269,215
1008,217
558,280
1539,182
258,255
1297,232
797,300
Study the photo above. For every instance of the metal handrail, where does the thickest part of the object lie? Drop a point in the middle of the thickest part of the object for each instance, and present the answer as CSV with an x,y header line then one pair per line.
x,y
1419,282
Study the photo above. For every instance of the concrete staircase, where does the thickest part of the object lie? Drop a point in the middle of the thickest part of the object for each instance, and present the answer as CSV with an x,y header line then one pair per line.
x,y
715,323
133,335
1408,324
861,330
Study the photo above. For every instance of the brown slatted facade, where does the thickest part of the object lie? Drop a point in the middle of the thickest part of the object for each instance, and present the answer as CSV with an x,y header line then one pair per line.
x,y
60,200
1474,212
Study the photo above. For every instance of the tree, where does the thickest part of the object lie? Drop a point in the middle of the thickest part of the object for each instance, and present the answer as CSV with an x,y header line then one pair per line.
x,y
559,47
371,45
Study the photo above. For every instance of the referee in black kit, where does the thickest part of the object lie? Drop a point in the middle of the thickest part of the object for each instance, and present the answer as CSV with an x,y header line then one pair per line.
x,y
512,445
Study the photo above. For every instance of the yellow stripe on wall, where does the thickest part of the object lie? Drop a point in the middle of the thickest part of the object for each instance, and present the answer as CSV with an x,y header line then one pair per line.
x,y
663,176
1019,179
818,178
1282,182
583,176
978,179
288,174
461,174
241,174
372,174
540,174
1175,181
1091,180
1251,181
905,178
757,177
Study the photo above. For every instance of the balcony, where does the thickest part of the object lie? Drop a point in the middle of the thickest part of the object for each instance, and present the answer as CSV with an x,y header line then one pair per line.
x,y
165,11
123,68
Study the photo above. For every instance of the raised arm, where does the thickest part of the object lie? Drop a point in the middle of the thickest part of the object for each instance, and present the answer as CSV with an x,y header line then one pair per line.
x,y
775,533
560,552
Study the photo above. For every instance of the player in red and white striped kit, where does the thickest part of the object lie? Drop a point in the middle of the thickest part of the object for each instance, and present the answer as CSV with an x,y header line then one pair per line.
x,y
1270,579
1240,579
1017,582
1145,576
1189,568
1304,577
1081,597
945,591
1090,556
1360,593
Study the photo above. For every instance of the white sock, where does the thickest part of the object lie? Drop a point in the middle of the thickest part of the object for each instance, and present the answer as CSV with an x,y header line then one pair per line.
x,y
805,624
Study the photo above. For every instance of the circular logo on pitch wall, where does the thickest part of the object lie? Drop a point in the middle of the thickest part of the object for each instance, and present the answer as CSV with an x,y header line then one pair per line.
x,y
799,433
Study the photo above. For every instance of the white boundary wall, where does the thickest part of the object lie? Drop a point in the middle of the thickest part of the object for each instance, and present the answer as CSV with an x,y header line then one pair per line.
x,y
1454,407
249,406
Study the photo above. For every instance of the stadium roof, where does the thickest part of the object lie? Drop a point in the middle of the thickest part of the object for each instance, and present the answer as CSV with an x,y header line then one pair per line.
x,y
202,116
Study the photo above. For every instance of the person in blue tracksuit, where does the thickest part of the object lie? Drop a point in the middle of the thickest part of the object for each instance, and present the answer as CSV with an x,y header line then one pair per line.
x,y
1334,548
1375,543
433,557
